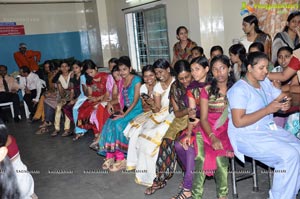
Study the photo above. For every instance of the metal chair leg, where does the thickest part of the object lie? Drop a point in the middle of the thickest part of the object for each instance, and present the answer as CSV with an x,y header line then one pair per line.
x,y
254,174
233,175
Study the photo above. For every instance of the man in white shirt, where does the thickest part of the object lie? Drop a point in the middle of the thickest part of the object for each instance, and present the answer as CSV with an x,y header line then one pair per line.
x,y
30,83
8,93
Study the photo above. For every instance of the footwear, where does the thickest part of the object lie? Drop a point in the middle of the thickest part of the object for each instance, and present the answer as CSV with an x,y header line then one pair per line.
x,y
45,124
108,163
55,133
67,133
182,194
117,166
42,131
78,136
16,119
155,186
94,146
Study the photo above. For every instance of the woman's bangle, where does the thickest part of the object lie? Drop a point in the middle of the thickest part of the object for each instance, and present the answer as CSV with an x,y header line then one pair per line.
x,y
211,134
153,107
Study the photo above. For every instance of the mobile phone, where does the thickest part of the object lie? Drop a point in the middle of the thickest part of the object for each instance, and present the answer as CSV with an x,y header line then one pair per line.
x,y
191,119
145,96
283,100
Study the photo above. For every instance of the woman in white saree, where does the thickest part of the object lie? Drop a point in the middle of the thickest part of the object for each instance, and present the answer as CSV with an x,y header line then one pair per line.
x,y
154,129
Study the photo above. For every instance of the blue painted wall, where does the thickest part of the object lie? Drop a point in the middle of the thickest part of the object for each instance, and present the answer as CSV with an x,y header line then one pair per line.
x,y
52,46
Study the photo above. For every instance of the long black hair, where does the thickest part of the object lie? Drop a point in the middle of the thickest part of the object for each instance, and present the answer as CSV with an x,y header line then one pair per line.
x,y
89,64
252,19
214,89
203,61
239,49
125,60
290,17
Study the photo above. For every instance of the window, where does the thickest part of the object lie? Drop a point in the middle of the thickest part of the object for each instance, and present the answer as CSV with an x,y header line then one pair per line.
x,y
147,36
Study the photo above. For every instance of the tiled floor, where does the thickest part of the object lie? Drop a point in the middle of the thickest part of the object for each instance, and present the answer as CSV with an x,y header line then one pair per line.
x,y
64,169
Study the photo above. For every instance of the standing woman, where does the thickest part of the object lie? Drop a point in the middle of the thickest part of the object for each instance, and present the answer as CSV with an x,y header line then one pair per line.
x,y
183,48
113,144
253,133
154,129
289,36
255,34
214,123
166,160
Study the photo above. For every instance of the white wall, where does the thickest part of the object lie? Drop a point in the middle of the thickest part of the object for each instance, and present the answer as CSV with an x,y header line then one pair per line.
x,y
210,22
221,22
45,18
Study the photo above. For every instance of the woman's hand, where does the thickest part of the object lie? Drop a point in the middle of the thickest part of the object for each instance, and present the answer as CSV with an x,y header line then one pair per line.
x,y
110,108
186,142
149,101
286,105
273,107
216,143
277,84
118,116
192,112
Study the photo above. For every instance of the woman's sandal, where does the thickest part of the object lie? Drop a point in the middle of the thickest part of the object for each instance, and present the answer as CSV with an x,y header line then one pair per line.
x,y
55,133
117,166
156,186
108,163
181,194
78,136
94,146
42,131
45,124
67,133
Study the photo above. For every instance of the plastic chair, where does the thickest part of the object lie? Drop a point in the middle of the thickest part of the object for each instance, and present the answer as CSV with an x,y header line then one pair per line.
x,y
11,107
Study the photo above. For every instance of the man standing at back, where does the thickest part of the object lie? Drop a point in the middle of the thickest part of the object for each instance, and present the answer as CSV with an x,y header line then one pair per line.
x,y
28,58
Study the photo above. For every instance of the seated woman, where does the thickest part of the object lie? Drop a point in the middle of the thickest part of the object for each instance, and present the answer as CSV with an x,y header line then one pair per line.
x,y
92,113
284,56
166,160
134,128
253,133
113,144
214,123
155,128
237,53
49,100
77,70
49,72
24,179
64,90
185,146
114,85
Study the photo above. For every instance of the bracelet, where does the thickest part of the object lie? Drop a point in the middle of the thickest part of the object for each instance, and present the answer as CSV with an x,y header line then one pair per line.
x,y
211,134
152,108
